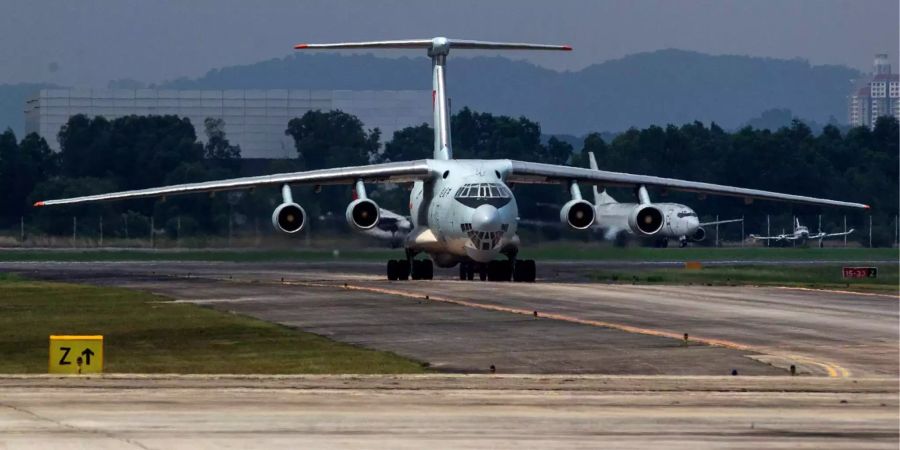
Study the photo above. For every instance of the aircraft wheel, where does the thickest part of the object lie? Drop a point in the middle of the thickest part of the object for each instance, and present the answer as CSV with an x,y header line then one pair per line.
x,y
482,271
470,272
416,272
403,269
530,270
463,271
519,271
393,270
493,271
684,243
507,271
427,269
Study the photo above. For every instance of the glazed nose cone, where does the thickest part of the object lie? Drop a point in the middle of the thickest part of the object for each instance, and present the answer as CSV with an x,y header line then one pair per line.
x,y
486,218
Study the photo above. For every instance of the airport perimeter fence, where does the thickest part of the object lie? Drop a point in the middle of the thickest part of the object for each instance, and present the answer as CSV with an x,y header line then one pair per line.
x,y
92,232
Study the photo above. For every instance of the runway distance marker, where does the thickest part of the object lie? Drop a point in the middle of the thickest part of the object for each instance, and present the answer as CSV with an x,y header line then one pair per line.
x,y
76,354
859,272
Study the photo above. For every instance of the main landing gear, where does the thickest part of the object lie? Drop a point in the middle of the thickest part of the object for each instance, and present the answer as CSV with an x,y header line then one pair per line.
x,y
520,270
523,270
404,269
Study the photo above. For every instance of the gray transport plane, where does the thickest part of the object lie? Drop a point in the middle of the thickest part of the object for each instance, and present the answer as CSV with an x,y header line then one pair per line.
x,y
658,221
800,235
462,211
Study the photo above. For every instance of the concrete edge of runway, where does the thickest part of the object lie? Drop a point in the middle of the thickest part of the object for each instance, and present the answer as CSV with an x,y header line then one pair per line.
x,y
594,383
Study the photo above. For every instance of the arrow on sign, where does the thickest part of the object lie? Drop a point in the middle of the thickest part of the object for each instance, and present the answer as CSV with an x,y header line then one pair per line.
x,y
87,356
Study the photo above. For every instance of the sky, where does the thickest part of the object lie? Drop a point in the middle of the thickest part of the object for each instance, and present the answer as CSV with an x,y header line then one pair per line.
x,y
90,42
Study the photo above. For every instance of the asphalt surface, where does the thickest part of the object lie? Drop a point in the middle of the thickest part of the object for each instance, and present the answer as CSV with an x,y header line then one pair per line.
x,y
580,327
446,411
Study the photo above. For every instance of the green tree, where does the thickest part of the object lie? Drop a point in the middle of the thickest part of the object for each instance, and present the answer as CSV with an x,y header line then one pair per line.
x,y
332,139
593,143
410,143
218,150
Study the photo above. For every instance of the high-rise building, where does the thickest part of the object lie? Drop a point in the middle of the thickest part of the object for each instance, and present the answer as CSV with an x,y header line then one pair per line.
x,y
254,119
876,95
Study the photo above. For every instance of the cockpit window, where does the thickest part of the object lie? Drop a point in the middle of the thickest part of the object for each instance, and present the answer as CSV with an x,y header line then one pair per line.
x,y
687,214
483,190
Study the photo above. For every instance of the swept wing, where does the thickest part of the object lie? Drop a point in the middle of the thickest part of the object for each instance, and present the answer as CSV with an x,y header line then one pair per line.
x,y
397,172
720,222
529,172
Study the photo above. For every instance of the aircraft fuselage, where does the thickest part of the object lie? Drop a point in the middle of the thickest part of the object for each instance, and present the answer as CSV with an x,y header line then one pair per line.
x,y
466,214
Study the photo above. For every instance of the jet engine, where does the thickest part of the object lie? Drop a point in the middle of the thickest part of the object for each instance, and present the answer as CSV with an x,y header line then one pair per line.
x,y
698,235
646,220
362,214
577,213
289,217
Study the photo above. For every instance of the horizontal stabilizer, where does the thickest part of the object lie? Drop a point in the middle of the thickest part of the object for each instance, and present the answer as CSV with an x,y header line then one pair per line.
x,y
435,43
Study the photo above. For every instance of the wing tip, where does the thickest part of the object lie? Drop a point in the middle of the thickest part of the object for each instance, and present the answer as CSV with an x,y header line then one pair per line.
x,y
38,204
301,46
567,48
867,207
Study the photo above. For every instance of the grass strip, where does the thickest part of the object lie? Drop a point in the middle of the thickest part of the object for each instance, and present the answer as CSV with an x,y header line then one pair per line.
x,y
146,333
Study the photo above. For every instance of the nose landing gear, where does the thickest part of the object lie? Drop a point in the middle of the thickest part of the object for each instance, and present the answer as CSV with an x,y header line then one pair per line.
x,y
403,269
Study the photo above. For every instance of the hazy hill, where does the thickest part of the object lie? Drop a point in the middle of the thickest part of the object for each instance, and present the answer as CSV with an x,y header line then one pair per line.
x,y
666,86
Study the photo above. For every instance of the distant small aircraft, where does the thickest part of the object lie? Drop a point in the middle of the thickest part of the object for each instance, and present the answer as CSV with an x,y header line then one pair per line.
x,y
391,227
800,235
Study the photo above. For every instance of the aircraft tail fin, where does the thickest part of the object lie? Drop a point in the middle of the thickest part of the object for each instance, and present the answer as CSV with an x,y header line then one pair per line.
x,y
600,197
438,49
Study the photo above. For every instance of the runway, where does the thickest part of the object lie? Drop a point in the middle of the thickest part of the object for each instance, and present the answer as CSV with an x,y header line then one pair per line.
x,y
580,327
447,411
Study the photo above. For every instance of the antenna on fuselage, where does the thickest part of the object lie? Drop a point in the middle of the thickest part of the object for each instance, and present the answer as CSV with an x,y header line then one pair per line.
x,y
438,49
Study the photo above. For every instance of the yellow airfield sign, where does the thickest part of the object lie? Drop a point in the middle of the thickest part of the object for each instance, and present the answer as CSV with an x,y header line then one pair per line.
x,y
76,354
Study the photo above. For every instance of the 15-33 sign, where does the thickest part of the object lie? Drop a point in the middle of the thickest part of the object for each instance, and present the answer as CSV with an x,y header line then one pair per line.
x,y
860,272
76,354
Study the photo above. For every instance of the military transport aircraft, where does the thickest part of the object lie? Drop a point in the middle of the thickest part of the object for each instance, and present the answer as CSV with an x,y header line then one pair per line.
x,y
800,235
662,221
463,212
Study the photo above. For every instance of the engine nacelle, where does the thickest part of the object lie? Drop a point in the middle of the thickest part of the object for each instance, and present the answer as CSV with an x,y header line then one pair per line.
x,y
646,220
289,218
362,214
578,214
698,235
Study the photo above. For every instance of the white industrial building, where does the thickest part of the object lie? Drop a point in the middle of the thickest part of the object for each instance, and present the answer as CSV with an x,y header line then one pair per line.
x,y
875,96
254,119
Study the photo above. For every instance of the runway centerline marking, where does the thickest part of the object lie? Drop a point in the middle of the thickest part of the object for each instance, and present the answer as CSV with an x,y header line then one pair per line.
x,y
835,291
833,370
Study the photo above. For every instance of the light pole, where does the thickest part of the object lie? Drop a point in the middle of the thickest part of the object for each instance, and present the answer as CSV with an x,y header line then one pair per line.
x,y
845,230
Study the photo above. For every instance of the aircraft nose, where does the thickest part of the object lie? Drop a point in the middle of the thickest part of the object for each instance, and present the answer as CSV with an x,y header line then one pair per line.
x,y
486,218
